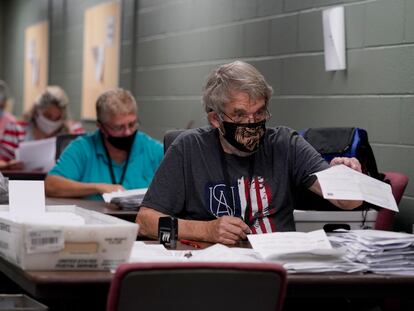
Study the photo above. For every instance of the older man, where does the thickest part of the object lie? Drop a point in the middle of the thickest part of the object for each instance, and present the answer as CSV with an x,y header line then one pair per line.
x,y
236,176
116,156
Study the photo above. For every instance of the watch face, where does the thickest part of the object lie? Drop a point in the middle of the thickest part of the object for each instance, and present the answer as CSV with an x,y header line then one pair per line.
x,y
168,231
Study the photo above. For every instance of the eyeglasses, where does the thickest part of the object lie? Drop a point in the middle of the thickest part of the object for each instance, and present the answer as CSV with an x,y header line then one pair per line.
x,y
132,126
258,116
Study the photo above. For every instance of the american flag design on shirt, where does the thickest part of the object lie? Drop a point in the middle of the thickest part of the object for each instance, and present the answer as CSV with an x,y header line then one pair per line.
x,y
222,201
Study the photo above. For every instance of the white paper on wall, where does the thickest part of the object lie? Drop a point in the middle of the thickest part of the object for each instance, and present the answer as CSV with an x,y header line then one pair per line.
x,y
98,52
35,70
334,38
110,30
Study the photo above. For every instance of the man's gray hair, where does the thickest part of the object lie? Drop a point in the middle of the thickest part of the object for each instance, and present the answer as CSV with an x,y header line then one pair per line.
x,y
4,91
237,76
115,102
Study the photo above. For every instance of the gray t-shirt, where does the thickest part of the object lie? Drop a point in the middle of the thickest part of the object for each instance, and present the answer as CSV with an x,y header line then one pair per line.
x,y
190,182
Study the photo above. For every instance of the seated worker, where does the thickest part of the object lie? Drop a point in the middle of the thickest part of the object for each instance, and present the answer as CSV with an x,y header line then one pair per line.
x,y
115,157
47,118
5,119
236,176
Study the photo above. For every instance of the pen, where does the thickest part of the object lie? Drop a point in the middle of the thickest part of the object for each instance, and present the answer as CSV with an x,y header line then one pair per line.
x,y
190,243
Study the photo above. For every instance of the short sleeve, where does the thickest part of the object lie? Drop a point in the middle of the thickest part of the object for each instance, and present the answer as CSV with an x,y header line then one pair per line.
x,y
166,192
306,161
13,134
157,154
71,163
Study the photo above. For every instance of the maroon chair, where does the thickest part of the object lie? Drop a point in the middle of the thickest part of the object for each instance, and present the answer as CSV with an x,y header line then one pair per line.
x,y
197,286
398,182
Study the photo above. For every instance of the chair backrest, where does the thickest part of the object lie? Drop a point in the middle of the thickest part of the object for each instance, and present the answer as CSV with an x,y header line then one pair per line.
x,y
197,286
62,141
398,182
170,136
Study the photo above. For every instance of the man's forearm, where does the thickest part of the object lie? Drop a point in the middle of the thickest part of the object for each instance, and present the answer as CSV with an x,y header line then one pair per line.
x,y
342,204
346,204
57,186
147,219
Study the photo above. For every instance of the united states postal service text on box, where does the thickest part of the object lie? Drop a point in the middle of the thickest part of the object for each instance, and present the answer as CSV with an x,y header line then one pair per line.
x,y
87,241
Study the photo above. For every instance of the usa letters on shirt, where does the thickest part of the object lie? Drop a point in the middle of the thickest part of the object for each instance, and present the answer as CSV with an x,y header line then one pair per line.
x,y
233,201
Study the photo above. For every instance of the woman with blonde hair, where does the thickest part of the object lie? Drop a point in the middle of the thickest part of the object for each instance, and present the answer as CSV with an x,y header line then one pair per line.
x,y
47,118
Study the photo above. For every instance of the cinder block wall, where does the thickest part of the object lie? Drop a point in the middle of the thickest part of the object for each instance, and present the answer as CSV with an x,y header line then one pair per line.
x,y
17,15
179,42
65,44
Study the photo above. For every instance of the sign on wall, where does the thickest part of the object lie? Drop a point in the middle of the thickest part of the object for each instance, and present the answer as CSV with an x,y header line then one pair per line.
x,y
101,44
36,56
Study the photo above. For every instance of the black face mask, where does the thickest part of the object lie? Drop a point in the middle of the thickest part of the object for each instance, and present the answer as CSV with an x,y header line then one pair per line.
x,y
124,142
245,137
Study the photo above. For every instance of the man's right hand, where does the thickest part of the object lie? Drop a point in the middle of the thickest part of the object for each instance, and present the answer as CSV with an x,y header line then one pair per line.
x,y
227,230
105,188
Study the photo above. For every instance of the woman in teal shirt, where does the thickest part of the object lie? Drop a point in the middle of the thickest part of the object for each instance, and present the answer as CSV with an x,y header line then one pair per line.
x,y
116,156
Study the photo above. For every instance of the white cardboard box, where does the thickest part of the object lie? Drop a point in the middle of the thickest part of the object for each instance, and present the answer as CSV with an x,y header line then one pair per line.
x,y
102,243
306,221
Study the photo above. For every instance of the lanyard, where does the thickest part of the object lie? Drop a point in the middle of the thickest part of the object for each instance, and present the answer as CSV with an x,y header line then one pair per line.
x,y
226,175
111,169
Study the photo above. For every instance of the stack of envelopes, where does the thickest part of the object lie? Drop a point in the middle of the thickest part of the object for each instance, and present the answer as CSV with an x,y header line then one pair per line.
x,y
383,252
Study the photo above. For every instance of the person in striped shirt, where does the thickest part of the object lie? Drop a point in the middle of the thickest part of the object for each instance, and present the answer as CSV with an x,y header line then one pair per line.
x,y
5,116
47,118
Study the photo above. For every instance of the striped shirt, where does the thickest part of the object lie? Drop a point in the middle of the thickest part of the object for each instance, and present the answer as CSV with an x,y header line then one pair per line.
x,y
16,132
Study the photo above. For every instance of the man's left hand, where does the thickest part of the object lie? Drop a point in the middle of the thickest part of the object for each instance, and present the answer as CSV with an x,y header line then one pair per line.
x,y
350,162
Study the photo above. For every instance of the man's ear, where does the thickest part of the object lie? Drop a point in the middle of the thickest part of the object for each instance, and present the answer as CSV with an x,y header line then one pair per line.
x,y
213,118
100,126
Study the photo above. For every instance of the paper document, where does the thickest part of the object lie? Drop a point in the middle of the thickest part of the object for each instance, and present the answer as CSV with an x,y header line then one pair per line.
x,y
343,183
37,154
142,252
123,194
334,38
381,251
279,244
26,197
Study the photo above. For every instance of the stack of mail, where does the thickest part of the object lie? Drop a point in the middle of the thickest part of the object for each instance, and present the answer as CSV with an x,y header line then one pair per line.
x,y
309,252
383,252
127,200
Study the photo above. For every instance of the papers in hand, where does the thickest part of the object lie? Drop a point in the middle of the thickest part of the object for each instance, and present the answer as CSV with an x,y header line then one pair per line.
x,y
343,183
127,199
37,154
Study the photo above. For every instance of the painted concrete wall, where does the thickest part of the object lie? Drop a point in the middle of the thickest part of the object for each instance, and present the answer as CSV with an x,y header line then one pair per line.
x,y
17,15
